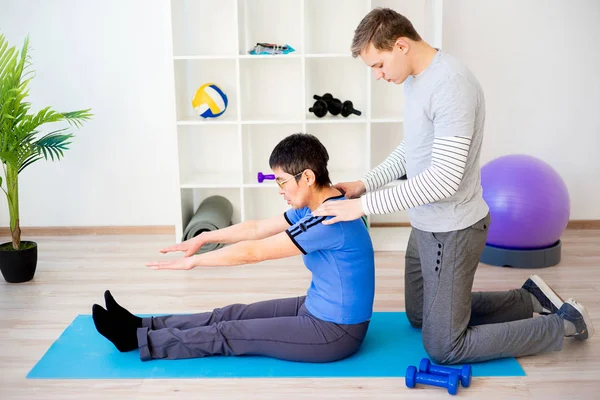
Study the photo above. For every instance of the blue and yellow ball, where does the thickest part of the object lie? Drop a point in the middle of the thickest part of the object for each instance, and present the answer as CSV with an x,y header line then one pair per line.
x,y
209,101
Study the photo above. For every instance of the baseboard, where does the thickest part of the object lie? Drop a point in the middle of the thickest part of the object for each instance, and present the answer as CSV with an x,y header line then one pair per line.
x,y
91,230
390,225
170,230
584,224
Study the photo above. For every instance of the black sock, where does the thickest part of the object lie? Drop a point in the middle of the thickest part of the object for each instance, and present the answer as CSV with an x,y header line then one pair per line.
x,y
124,337
121,313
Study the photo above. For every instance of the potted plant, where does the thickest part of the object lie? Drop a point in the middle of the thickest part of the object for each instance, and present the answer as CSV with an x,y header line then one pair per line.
x,y
21,144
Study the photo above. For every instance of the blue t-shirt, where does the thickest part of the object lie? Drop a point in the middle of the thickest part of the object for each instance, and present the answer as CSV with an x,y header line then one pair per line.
x,y
341,259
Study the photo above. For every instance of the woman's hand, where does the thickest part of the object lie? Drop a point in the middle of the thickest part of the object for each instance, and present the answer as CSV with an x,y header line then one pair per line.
x,y
189,247
185,263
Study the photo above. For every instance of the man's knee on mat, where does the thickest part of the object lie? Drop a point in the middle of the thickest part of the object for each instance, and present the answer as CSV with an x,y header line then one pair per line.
x,y
440,352
439,355
415,320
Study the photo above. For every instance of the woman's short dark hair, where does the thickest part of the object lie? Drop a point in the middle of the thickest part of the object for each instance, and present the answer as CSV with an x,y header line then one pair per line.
x,y
301,151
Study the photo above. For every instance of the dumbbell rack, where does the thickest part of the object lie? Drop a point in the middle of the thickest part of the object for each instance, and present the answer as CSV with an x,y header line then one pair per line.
x,y
269,97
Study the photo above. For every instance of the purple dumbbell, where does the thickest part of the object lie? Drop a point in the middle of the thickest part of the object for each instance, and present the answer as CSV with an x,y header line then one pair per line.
x,y
449,381
262,177
464,374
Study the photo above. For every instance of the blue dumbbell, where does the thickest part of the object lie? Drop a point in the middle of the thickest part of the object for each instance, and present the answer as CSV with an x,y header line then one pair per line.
x,y
464,374
449,381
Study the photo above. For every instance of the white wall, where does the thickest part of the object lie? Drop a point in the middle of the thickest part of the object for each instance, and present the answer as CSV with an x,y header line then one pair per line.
x,y
539,64
114,57
537,61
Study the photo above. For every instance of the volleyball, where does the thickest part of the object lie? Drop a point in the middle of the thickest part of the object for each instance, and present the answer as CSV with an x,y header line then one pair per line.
x,y
209,101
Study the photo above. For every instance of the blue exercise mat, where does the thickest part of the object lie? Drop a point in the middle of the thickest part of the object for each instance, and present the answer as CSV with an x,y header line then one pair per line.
x,y
390,347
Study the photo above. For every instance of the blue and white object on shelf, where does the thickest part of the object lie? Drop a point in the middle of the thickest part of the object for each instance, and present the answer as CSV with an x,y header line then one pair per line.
x,y
270,48
209,101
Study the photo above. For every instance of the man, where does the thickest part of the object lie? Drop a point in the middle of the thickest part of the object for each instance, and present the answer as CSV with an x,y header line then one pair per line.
x,y
443,131
327,324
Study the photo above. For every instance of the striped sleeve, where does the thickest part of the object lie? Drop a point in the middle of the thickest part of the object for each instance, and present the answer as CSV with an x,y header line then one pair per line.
x,y
439,181
389,170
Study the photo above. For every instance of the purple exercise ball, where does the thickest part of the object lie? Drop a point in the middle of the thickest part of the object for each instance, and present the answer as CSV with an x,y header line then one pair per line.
x,y
528,200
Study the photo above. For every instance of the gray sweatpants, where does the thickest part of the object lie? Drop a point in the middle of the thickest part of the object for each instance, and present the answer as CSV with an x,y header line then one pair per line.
x,y
459,326
281,328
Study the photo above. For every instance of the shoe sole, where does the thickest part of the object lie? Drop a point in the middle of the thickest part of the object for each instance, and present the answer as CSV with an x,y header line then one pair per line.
x,y
586,318
548,291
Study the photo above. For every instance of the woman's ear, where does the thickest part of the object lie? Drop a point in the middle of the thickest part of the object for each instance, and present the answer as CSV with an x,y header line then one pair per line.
x,y
309,177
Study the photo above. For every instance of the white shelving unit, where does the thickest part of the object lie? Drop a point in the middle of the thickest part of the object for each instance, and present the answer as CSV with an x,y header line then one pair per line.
x,y
269,96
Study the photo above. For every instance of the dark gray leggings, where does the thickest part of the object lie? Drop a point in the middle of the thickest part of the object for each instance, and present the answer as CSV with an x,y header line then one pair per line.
x,y
281,328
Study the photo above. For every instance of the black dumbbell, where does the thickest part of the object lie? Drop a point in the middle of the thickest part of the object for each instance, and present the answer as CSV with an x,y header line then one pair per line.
x,y
464,374
334,106
448,381
346,108
319,108
326,97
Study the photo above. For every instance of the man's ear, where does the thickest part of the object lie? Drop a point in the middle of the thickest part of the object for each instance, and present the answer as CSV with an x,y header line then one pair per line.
x,y
402,45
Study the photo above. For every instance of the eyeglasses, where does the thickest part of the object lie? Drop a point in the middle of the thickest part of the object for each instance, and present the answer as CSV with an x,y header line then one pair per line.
x,y
280,184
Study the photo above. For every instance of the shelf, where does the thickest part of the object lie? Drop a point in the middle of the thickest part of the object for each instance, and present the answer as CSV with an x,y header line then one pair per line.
x,y
258,142
271,89
322,35
270,56
267,21
387,100
206,162
329,55
265,185
332,76
346,145
269,96
191,74
271,121
225,119
261,204
385,137
294,54
335,119
192,198
210,180
204,27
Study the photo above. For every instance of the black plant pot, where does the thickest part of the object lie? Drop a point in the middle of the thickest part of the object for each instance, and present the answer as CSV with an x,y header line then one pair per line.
x,y
18,265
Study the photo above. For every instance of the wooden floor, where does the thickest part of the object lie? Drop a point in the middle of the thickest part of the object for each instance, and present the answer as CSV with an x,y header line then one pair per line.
x,y
73,272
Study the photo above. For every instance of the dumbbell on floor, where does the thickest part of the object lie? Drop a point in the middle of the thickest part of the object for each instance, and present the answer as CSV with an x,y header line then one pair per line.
x,y
449,381
464,374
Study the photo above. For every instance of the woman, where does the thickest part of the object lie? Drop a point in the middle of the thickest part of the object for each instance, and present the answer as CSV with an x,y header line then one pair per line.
x,y
327,324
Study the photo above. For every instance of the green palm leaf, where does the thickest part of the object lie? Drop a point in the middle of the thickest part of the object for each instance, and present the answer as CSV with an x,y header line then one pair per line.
x,y
20,145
